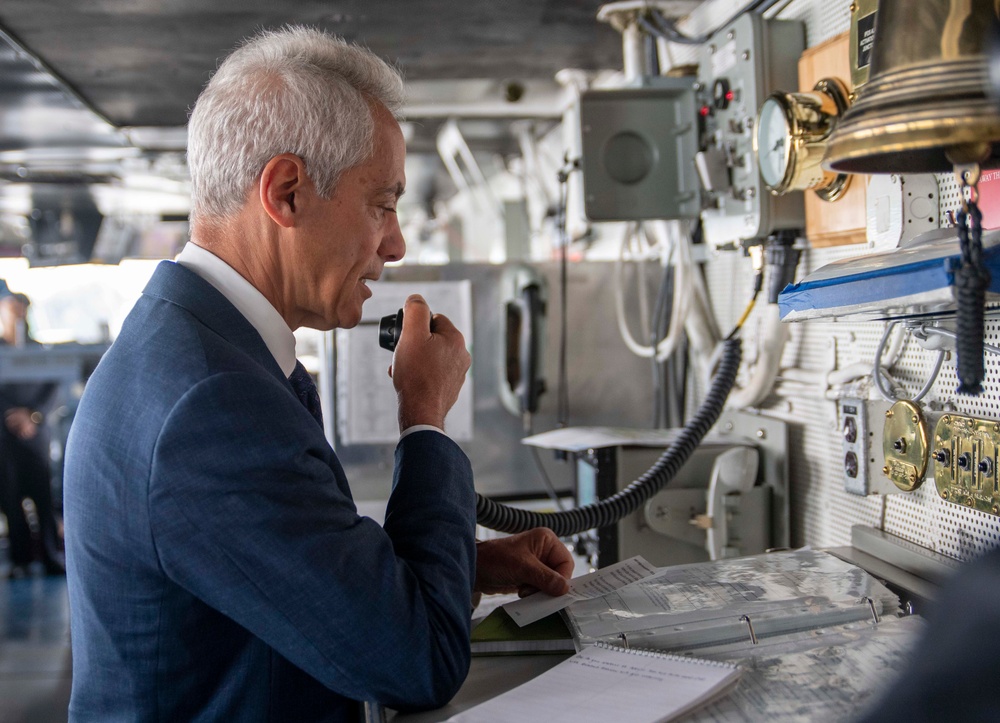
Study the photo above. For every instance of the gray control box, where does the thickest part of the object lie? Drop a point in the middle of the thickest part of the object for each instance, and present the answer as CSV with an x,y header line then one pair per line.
x,y
741,65
638,151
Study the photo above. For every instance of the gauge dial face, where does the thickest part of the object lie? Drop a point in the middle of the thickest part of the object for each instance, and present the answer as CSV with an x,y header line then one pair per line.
x,y
773,139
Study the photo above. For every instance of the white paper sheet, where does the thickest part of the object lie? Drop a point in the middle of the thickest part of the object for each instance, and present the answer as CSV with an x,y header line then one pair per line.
x,y
596,584
366,399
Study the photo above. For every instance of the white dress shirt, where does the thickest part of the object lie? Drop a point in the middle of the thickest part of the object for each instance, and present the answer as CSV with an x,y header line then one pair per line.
x,y
248,301
255,307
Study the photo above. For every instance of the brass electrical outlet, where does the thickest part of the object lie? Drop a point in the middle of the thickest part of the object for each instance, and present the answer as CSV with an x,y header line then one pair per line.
x,y
965,462
904,444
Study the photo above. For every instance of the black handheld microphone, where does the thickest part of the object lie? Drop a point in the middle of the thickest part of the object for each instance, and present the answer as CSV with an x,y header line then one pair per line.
x,y
389,329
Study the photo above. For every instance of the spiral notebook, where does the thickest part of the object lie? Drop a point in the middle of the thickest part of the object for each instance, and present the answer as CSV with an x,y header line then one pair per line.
x,y
609,683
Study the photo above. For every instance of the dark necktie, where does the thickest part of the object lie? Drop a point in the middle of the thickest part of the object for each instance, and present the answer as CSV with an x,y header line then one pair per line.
x,y
304,387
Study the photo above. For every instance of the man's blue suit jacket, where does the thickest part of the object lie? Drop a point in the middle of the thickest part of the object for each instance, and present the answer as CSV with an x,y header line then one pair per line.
x,y
217,567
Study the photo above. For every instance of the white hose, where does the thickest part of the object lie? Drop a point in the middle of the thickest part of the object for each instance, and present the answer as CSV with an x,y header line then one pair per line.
x,y
635,347
768,364
699,320
690,308
681,305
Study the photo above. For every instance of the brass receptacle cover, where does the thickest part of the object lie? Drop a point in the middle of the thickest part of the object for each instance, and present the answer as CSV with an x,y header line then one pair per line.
x,y
965,462
904,444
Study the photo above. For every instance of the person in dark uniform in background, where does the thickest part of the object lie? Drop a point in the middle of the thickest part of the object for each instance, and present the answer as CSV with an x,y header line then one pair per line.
x,y
25,467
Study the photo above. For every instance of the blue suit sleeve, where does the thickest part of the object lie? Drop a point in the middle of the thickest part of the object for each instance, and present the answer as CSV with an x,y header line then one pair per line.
x,y
251,513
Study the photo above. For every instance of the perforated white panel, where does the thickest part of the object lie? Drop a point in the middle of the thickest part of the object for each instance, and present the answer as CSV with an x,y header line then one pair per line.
x,y
822,512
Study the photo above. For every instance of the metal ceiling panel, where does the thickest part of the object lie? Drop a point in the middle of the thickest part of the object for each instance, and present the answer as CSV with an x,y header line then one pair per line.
x,y
38,114
143,62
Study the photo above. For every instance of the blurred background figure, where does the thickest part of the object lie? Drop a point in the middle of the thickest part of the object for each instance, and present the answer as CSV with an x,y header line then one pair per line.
x,y
25,466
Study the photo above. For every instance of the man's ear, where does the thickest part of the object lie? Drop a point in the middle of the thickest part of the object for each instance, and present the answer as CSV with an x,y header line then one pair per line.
x,y
281,184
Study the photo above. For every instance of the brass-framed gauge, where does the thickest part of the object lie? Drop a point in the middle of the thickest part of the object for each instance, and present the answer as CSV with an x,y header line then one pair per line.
x,y
790,139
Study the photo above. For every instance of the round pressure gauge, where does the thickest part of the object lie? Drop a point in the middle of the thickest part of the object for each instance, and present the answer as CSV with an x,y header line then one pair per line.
x,y
774,141
790,139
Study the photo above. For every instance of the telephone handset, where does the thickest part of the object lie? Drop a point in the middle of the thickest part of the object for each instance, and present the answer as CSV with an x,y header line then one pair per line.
x,y
524,318
522,340
389,329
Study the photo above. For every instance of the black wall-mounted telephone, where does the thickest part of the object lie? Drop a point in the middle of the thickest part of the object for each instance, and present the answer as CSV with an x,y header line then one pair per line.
x,y
522,340
524,325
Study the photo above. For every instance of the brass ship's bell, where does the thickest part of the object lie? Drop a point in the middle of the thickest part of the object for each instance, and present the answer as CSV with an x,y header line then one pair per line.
x,y
925,108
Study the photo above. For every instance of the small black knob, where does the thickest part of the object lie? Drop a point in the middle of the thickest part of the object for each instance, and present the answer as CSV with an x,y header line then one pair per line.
x,y
965,461
942,456
722,94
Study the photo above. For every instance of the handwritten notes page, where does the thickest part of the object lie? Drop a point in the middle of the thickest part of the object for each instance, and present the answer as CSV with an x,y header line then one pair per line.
x,y
605,683
586,587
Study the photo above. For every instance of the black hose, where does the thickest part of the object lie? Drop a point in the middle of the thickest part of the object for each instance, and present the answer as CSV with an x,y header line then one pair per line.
x,y
503,518
972,279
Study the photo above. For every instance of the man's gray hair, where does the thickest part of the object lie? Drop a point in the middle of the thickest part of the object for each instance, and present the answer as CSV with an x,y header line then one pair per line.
x,y
295,90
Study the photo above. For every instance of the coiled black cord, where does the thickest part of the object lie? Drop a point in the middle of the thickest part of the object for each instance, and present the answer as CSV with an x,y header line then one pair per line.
x,y
971,281
503,518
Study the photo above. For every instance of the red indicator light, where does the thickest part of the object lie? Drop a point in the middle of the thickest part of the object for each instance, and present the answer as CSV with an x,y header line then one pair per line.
x,y
705,110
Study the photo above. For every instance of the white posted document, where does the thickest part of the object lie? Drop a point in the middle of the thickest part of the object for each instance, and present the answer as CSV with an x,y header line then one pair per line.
x,y
367,407
586,587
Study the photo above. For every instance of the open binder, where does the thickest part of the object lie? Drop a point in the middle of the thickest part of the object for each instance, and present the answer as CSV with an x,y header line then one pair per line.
x,y
816,638
828,674
687,607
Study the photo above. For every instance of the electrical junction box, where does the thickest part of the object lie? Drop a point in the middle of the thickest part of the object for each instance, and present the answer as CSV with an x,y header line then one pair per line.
x,y
737,69
860,423
900,208
639,145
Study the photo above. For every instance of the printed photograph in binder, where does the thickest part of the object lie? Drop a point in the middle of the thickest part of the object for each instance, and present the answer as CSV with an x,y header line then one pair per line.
x,y
609,683
688,607
832,674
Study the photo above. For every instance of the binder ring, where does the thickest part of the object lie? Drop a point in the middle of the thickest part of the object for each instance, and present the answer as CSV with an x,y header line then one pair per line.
x,y
871,606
